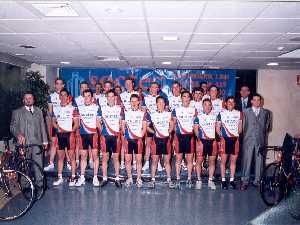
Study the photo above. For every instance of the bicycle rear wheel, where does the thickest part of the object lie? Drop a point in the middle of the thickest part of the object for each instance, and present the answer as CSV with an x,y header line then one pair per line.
x,y
35,172
272,184
16,194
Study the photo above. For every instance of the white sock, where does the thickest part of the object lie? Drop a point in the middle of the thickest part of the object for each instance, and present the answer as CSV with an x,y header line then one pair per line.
x,y
104,178
168,179
199,179
117,178
231,179
224,179
81,176
210,179
60,176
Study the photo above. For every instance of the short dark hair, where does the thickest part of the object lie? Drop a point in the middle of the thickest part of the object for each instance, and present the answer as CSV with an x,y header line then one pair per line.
x,y
58,78
87,91
213,86
108,82
176,82
257,95
111,91
184,92
28,92
202,82
244,85
229,97
65,90
154,82
83,82
206,100
197,89
134,96
160,97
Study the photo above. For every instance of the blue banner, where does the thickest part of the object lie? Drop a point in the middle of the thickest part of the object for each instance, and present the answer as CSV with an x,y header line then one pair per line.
x,y
224,79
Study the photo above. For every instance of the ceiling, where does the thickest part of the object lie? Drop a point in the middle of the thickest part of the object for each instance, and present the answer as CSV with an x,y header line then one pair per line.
x,y
211,34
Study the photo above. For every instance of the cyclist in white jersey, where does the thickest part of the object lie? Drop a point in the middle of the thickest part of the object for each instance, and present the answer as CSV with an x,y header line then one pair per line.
x,y
79,101
110,139
150,106
65,121
183,117
53,102
98,90
204,87
174,99
229,127
102,100
205,131
217,103
89,114
134,126
125,102
197,99
162,127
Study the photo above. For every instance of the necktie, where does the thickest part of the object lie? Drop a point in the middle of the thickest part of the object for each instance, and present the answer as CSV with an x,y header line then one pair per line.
x,y
244,104
30,110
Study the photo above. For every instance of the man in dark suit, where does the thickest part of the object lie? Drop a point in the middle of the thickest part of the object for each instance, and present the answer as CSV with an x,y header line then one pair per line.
x,y
256,124
244,101
28,127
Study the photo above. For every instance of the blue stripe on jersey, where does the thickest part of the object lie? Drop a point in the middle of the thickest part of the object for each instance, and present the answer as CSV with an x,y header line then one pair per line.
x,y
223,132
104,131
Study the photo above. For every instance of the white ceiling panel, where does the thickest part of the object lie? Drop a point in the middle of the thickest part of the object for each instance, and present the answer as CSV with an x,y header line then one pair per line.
x,y
212,38
114,9
128,37
122,25
174,9
221,26
206,46
72,25
282,10
26,26
172,25
255,38
221,9
272,26
12,10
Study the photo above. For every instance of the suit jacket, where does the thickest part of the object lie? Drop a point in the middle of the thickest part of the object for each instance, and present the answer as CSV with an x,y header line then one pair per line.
x,y
239,103
255,128
32,126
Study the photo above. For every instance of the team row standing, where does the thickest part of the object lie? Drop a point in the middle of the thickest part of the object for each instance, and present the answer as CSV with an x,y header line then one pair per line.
x,y
123,122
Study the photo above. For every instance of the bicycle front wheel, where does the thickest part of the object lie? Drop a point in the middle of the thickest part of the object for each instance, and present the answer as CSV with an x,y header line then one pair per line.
x,y
272,184
16,194
35,172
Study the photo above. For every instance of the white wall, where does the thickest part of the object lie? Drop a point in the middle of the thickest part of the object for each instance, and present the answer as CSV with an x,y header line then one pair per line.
x,y
36,67
281,96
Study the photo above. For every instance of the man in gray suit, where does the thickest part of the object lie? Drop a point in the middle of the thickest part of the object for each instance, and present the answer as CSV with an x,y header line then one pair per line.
x,y
28,127
255,128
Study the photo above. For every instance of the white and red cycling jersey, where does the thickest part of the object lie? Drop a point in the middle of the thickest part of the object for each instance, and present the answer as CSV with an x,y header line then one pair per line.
x,y
206,125
134,123
197,105
125,99
64,116
88,118
79,101
161,123
111,117
150,103
174,102
184,119
230,122
53,99
217,105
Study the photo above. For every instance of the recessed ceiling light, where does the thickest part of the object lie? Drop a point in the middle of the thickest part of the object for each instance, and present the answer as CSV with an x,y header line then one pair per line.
x,y
110,58
170,38
166,63
19,54
273,64
64,62
54,8
280,48
113,10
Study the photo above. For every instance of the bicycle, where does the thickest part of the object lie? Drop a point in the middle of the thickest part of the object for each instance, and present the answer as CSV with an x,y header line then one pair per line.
x,y
16,191
32,169
280,178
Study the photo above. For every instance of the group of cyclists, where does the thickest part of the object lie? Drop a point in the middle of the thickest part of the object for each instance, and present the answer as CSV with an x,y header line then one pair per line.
x,y
132,127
